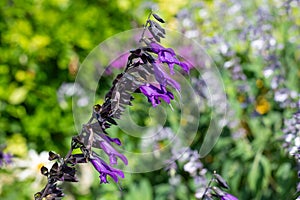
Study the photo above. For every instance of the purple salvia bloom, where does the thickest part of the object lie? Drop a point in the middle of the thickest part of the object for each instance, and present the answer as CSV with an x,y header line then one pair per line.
x,y
187,53
228,197
167,55
163,78
109,139
118,63
121,61
112,153
104,170
153,94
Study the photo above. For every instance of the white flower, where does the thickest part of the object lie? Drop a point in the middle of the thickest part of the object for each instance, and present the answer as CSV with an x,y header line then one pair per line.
x,y
31,167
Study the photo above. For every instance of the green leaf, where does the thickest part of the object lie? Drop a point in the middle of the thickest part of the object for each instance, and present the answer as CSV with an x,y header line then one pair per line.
x,y
255,174
259,174
143,190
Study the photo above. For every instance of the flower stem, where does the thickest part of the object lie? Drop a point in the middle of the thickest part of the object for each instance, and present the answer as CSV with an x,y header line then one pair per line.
x,y
208,185
45,191
145,26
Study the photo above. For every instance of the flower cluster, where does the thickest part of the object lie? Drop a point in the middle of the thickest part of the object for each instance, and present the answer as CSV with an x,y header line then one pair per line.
x,y
188,160
155,92
100,165
167,55
292,134
104,169
158,90
179,156
291,139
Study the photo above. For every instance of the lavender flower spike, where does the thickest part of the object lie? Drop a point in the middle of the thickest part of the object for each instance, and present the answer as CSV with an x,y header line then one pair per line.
x,y
153,94
228,197
104,170
167,55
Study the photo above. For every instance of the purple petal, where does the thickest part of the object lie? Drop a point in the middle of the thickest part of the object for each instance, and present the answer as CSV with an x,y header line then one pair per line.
x,y
109,139
185,67
113,160
153,94
167,55
120,62
103,178
190,59
163,78
228,197
105,170
156,47
112,153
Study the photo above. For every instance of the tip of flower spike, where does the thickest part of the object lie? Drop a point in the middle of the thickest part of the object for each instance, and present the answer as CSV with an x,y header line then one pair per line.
x,y
117,141
185,67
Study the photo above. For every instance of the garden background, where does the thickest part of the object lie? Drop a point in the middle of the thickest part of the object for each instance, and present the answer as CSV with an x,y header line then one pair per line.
x,y
254,44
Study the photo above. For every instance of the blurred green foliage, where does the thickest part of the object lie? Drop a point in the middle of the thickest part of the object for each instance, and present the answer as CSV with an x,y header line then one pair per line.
x,y
42,44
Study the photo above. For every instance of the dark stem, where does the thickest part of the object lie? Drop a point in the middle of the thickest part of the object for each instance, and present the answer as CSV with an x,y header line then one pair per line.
x,y
68,154
45,190
208,185
145,26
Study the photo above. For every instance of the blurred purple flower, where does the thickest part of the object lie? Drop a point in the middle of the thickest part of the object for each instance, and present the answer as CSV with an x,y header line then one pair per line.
x,y
167,55
104,170
228,197
5,158
153,94
190,59
118,63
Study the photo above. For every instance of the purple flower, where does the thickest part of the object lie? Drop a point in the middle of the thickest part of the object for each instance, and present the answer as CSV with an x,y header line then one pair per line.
x,y
167,55
112,153
163,78
118,63
5,158
109,139
104,170
153,94
190,59
228,197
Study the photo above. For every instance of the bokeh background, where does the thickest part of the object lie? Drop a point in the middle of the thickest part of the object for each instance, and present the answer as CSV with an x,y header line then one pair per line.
x,y
255,45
